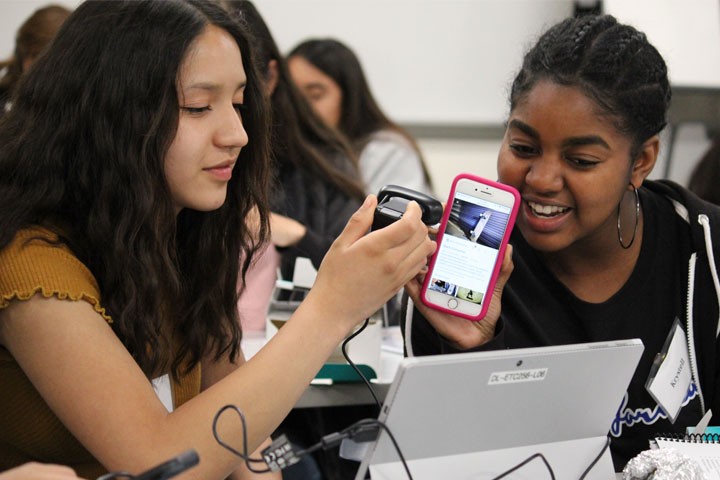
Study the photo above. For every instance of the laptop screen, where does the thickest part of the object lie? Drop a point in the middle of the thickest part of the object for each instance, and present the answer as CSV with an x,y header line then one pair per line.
x,y
447,406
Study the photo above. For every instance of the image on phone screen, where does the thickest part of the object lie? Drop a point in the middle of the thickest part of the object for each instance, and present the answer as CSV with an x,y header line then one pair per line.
x,y
466,262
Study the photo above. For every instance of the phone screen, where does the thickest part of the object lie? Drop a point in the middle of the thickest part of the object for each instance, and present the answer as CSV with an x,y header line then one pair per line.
x,y
466,259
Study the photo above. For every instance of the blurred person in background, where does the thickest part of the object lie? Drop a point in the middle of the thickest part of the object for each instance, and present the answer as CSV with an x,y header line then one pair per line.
x,y
31,39
705,178
330,75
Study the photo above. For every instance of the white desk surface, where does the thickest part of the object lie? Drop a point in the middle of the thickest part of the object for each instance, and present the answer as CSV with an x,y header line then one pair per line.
x,y
340,394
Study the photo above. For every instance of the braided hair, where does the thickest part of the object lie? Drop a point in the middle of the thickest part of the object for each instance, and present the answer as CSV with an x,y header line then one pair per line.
x,y
612,63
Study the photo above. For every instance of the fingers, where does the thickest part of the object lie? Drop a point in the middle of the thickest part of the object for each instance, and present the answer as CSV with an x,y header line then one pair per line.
x,y
397,233
404,244
412,246
505,269
413,289
359,222
464,334
373,266
415,260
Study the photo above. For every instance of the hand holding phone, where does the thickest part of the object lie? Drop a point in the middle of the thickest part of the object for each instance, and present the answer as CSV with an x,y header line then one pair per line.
x,y
474,232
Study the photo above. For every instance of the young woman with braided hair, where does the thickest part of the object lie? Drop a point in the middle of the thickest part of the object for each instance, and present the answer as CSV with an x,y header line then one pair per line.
x,y
599,252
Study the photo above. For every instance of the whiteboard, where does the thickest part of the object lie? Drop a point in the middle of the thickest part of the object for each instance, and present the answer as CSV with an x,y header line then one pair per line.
x,y
437,62
685,32
450,62
427,61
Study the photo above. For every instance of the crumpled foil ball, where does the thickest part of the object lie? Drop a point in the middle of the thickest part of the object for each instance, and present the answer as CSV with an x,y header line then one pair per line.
x,y
662,464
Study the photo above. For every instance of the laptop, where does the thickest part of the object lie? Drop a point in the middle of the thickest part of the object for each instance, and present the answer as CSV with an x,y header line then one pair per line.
x,y
477,415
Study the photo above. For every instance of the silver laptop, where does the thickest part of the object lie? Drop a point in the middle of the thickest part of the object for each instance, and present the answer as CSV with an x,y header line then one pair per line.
x,y
477,415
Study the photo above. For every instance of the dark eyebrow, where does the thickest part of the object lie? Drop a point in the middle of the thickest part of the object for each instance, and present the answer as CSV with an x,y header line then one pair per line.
x,y
586,140
570,142
524,128
212,87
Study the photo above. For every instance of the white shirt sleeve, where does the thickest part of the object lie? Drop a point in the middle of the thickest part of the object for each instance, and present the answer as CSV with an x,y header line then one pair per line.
x,y
388,158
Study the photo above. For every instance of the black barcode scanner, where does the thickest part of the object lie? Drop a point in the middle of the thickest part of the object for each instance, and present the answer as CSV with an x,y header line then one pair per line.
x,y
394,199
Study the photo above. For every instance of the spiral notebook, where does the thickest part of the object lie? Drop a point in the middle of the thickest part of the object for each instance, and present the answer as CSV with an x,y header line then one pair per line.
x,y
703,448
475,415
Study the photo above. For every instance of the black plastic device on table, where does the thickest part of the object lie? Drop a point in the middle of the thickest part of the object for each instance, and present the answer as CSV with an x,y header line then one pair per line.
x,y
394,199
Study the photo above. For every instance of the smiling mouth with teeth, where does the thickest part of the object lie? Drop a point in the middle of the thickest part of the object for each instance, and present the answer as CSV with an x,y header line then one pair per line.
x,y
546,210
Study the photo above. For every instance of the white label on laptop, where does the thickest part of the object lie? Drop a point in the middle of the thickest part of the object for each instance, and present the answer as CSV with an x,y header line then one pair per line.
x,y
517,376
672,378
163,389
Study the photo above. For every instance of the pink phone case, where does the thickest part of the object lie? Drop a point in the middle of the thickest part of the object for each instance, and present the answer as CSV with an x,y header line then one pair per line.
x,y
501,250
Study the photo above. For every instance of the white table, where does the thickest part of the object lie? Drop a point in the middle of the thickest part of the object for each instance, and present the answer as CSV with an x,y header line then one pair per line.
x,y
325,394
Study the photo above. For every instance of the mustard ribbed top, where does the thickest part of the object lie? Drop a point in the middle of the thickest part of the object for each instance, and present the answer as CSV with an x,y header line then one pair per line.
x,y
34,263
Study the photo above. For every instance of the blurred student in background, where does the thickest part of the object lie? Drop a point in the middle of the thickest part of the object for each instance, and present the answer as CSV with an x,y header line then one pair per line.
x,y
705,178
31,39
332,79
317,187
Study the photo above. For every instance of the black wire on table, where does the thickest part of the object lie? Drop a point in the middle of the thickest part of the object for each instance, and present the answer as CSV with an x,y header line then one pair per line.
x,y
244,455
525,462
354,367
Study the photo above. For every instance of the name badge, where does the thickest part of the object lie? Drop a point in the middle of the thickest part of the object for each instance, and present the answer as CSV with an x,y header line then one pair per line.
x,y
163,389
670,375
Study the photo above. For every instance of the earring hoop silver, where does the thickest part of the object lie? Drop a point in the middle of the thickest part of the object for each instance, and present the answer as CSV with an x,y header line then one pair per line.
x,y
637,219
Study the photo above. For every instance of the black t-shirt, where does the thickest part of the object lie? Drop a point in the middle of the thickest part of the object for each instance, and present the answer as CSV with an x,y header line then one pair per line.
x,y
538,310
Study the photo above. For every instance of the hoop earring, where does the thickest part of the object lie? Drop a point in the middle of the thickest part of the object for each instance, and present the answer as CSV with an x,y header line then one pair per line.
x,y
637,220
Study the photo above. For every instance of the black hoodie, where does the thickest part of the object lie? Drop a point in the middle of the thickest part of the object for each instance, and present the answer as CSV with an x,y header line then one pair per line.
x,y
677,269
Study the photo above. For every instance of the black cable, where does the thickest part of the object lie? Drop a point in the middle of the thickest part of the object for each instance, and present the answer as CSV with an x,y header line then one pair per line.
x,y
525,462
244,455
552,474
392,439
354,367
602,451
334,439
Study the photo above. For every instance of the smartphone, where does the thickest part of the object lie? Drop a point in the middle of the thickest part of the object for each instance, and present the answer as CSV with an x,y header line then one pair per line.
x,y
475,229
394,199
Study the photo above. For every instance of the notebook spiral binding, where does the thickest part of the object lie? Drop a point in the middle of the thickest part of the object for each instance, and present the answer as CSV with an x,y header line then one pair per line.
x,y
692,437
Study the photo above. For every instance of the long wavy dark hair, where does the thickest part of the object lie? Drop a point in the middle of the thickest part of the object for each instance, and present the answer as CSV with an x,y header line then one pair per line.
x,y
612,63
82,152
298,134
361,114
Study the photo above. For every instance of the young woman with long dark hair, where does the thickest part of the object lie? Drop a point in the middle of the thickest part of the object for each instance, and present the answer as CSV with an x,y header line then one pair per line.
x,y
136,148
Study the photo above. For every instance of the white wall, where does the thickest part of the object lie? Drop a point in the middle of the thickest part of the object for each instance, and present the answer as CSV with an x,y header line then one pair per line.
x,y
427,61
450,61
685,32
447,158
